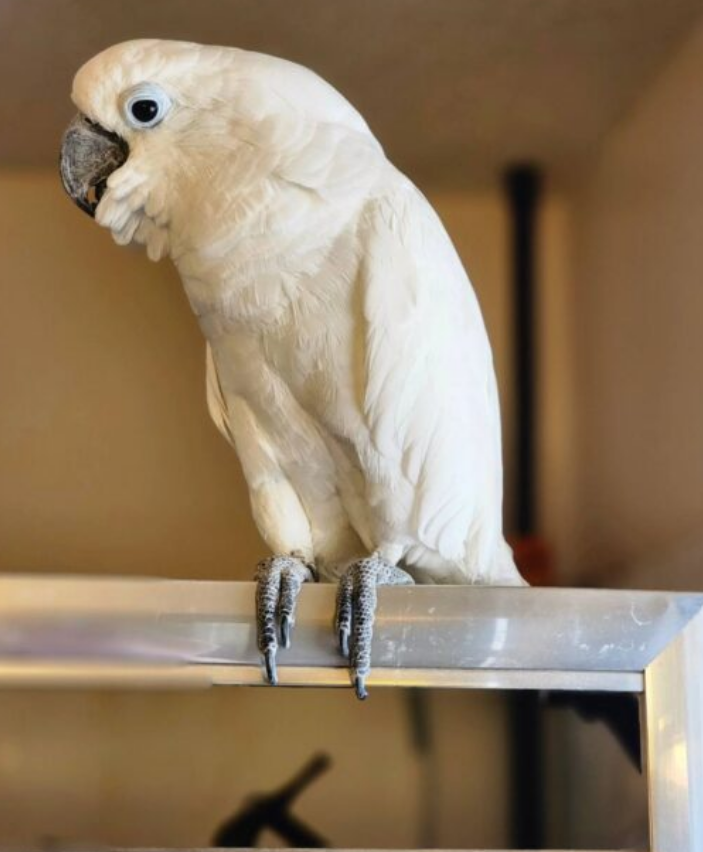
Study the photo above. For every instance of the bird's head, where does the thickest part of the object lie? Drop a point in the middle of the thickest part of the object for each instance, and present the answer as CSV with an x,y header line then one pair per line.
x,y
166,128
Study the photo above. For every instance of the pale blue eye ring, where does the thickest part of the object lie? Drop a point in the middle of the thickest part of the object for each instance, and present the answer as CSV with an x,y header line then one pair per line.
x,y
146,106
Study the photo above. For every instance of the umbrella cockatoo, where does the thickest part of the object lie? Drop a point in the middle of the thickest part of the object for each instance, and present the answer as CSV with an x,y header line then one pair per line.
x,y
347,360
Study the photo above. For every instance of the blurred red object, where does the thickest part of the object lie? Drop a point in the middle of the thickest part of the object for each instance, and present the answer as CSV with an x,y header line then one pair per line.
x,y
534,559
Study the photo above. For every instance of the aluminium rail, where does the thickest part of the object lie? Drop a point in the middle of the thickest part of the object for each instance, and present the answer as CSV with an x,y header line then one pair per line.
x,y
77,631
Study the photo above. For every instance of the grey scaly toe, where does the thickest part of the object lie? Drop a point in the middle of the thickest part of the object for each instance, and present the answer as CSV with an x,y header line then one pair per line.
x,y
356,611
278,583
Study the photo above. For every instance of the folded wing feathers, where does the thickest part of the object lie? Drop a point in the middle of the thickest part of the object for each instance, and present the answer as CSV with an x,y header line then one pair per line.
x,y
427,367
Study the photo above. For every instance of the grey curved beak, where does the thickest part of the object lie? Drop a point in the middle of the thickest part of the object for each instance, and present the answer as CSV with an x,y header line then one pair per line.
x,y
89,155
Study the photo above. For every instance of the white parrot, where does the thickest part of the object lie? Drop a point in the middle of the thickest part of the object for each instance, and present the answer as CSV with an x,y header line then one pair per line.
x,y
347,360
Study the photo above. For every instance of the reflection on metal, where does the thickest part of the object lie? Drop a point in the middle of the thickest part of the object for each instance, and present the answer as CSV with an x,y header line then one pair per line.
x,y
172,634
674,722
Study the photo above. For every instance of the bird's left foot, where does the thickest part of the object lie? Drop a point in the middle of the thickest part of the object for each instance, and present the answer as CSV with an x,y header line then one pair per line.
x,y
356,611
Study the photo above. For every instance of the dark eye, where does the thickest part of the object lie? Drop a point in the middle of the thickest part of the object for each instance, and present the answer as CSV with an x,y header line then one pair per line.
x,y
144,111
145,106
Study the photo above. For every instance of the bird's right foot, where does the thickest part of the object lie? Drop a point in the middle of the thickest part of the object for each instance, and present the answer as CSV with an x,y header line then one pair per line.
x,y
278,582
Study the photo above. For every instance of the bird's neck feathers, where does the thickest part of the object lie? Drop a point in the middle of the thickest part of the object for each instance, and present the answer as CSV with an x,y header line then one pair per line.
x,y
231,207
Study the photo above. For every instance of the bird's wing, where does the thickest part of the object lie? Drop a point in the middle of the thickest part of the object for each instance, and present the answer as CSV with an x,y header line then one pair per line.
x,y
430,398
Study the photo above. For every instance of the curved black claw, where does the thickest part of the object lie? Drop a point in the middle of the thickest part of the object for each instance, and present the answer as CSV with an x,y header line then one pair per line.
x,y
360,688
343,618
278,582
356,611
270,666
286,627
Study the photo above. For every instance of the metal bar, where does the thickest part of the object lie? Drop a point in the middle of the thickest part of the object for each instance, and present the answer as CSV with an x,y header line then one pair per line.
x,y
674,723
58,674
174,634
426,627
444,678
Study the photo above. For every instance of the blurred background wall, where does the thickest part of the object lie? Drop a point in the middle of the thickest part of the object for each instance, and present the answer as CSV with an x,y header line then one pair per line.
x,y
638,219
109,463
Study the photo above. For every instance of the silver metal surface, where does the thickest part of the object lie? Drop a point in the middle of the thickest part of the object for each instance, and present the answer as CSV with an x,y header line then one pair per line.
x,y
438,678
674,737
172,634
58,674
427,627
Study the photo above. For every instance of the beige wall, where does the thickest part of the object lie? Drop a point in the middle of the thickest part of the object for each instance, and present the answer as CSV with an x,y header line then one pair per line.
x,y
109,464
638,344
108,460
166,769
637,409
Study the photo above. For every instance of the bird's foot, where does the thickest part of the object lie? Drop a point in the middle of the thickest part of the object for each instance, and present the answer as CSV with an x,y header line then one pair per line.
x,y
278,582
356,610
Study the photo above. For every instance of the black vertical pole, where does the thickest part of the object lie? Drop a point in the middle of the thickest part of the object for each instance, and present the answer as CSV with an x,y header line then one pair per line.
x,y
527,777
523,184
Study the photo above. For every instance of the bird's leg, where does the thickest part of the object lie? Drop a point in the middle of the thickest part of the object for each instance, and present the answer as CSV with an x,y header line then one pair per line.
x,y
356,610
278,582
